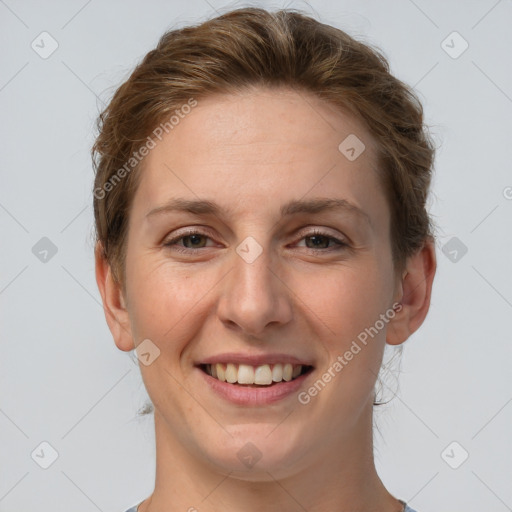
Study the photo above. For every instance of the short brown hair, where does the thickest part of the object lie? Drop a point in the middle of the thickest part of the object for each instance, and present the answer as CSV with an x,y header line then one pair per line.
x,y
253,47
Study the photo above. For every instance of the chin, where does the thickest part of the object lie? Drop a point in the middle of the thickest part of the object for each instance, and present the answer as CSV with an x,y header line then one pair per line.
x,y
258,452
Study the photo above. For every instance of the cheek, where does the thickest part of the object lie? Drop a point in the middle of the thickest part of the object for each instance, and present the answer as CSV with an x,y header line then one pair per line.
x,y
349,302
346,299
163,299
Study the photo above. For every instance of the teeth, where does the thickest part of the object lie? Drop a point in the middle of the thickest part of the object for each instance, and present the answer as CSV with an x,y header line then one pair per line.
x,y
287,372
231,373
221,373
277,373
262,375
245,374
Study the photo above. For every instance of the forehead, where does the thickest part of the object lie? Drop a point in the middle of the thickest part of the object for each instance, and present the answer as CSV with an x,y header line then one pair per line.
x,y
262,117
259,146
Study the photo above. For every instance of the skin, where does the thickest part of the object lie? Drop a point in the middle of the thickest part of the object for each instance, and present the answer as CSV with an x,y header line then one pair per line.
x,y
251,153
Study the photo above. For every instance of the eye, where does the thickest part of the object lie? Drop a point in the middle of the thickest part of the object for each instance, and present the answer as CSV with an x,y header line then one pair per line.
x,y
191,239
321,240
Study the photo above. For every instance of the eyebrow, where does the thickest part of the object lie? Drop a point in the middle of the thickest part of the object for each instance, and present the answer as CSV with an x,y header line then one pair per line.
x,y
311,206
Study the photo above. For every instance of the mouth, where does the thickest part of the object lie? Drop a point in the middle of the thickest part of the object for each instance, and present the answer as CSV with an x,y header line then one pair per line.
x,y
260,376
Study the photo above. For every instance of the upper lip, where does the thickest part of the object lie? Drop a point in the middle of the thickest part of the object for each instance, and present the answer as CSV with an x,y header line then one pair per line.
x,y
255,360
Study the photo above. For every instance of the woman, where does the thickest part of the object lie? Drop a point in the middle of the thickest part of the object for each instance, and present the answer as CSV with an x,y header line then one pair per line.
x,y
260,192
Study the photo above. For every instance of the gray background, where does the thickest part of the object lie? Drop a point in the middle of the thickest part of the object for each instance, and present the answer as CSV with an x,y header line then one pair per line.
x,y
63,381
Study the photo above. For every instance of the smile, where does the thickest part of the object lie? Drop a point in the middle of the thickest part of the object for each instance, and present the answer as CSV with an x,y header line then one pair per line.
x,y
261,375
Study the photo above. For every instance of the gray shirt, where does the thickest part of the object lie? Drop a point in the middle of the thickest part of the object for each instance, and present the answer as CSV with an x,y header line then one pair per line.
x,y
406,509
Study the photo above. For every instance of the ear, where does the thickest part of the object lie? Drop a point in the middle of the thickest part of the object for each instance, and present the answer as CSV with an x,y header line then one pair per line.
x,y
114,305
413,292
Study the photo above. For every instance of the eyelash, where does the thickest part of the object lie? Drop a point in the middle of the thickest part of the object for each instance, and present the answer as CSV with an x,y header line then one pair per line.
x,y
172,243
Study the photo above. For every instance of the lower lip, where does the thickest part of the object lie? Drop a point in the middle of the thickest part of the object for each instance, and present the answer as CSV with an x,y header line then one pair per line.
x,y
244,395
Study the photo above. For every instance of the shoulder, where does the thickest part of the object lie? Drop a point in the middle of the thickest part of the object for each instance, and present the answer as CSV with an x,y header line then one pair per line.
x,y
407,509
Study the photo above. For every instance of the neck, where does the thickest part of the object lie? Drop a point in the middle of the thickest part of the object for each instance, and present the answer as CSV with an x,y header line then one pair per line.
x,y
341,477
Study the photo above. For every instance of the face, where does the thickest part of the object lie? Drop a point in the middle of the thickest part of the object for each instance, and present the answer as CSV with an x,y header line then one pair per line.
x,y
254,240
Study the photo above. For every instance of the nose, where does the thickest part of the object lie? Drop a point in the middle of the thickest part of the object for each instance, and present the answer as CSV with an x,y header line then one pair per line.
x,y
254,296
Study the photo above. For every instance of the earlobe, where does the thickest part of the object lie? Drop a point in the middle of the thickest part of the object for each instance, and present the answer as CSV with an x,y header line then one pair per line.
x,y
416,293
114,306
